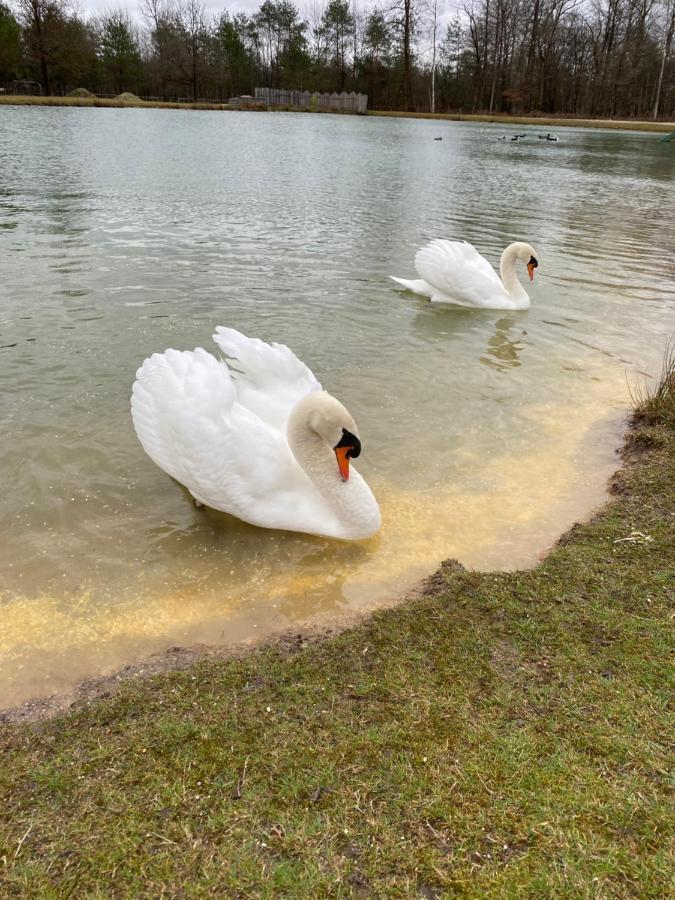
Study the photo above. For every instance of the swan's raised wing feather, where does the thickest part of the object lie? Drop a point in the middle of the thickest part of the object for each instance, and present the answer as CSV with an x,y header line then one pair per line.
x,y
269,378
187,418
176,394
456,270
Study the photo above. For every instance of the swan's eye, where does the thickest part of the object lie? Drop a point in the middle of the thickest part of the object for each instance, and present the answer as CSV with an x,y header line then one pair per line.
x,y
351,442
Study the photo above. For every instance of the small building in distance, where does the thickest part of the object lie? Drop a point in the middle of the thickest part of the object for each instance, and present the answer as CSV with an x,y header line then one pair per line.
x,y
30,88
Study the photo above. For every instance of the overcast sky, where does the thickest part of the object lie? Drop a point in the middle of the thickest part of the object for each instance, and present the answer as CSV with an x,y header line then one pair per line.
x,y
95,7
213,7
446,8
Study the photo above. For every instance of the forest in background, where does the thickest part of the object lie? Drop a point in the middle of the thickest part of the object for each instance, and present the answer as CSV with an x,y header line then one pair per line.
x,y
604,58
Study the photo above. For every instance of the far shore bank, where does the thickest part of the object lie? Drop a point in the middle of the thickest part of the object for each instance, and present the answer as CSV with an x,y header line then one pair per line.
x,y
542,121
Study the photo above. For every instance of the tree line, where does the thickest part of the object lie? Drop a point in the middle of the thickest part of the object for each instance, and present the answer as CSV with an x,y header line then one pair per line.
x,y
578,57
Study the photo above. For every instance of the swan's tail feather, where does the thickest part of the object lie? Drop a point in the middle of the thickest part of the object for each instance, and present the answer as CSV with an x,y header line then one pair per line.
x,y
416,285
262,364
270,379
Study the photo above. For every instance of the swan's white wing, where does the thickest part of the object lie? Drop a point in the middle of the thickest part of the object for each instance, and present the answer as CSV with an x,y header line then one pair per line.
x,y
189,422
269,378
456,270
176,396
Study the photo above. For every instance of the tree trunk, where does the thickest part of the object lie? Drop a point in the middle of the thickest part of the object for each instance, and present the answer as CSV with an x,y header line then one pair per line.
x,y
44,68
407,39
664,57
433,62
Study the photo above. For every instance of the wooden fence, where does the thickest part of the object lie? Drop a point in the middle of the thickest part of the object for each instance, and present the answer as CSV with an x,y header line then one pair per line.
x,y
355,103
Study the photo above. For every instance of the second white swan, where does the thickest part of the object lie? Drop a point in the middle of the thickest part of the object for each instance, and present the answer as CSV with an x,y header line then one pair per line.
x,y
257,438
454,272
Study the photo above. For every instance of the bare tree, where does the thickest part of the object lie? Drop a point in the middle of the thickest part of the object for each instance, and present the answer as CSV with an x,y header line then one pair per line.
x,y
190,20
433,13
41,19
669,29
404,18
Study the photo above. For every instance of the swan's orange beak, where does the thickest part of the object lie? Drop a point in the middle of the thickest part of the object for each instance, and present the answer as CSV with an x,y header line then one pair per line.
x,y
531,266
342,455
348,447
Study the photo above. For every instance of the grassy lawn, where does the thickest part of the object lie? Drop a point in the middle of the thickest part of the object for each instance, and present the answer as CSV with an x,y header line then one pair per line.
x,y
504,735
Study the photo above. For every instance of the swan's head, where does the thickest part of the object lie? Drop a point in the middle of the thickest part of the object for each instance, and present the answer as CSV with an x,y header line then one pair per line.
x,y
527,255
328,418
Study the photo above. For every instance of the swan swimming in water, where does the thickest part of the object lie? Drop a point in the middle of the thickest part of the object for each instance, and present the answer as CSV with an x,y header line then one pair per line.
x,y
454,272
257,438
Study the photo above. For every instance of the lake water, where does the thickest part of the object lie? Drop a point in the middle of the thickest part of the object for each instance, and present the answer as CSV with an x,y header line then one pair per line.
x,y
123,232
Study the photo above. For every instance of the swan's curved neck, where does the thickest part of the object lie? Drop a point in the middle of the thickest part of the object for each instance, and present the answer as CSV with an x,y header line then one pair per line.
x,y
507,270
313,454
351,502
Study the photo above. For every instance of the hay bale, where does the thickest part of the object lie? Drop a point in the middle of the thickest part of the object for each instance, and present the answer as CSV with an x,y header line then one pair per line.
x,y
128,97
81,92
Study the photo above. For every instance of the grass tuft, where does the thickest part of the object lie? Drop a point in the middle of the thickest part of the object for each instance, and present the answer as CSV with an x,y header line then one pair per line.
x,y
654,405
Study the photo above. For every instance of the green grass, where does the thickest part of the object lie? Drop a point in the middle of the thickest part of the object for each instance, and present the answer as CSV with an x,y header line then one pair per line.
x,y
653,406
504,735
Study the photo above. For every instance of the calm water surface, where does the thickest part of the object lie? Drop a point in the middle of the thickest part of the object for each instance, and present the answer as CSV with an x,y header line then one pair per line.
x,y
123,232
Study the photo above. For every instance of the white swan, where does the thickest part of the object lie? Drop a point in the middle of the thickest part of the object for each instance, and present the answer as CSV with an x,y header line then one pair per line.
x,y
455,272
259,440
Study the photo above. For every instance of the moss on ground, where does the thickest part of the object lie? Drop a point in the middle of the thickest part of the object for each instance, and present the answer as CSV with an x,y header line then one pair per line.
x,y
504,735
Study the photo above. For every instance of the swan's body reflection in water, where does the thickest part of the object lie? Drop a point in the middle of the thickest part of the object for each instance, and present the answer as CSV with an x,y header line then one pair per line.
x,y
505,345
502,337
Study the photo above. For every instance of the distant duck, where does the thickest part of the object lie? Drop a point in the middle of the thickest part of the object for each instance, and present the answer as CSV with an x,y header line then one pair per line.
x,y
515,137
454,272
438,139
551,137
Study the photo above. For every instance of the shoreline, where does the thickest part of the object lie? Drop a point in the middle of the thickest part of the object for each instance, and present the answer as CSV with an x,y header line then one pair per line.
x,y
498,734
543,121
315,629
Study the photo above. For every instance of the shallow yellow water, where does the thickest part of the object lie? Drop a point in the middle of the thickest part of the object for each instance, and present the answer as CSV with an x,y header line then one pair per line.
x,y
524,503
484,434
